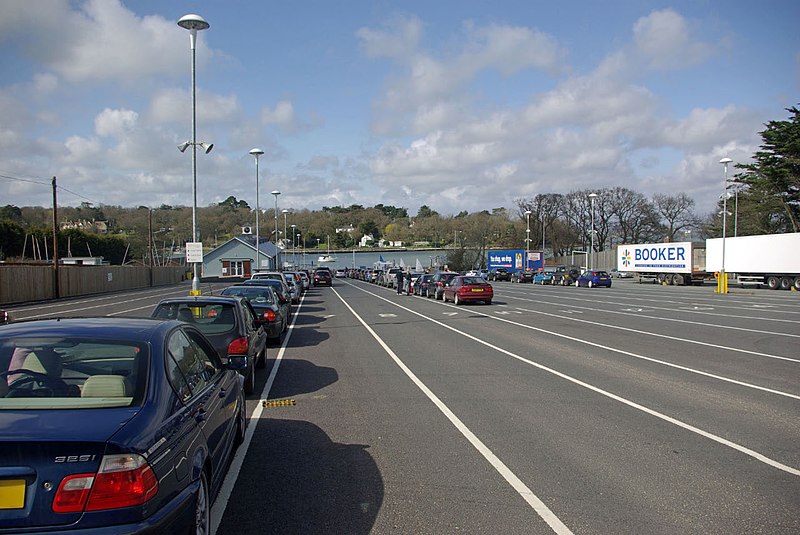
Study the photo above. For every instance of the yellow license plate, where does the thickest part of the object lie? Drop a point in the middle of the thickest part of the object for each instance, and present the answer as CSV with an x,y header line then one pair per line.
x,y
477,289
12,493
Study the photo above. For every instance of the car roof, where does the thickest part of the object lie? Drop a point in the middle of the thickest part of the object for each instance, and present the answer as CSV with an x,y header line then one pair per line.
x,y
107,327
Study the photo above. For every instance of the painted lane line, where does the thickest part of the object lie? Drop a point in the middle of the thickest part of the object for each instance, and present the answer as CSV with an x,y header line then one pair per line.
x,y
757,318
526,493
720,440
225,491
49,305
668,337
675,320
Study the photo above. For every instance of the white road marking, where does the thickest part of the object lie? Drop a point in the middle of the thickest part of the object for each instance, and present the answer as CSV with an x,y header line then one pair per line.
x,y
224,496
527,494
388,315
725,442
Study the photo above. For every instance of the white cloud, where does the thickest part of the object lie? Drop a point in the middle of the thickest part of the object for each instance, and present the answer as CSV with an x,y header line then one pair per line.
x,y
115,122
663,39
282,115
80,149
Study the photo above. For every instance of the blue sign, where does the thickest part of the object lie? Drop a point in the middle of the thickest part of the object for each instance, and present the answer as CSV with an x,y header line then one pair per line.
x,y
513,259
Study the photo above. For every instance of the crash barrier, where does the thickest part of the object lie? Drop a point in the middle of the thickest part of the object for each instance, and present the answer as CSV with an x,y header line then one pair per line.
x,y
24,283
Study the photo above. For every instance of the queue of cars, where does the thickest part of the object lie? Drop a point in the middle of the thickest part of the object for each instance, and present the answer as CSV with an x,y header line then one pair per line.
x,y
165,398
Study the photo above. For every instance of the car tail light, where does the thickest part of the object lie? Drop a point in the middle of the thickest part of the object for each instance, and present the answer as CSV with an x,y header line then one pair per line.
x,y
122,481
238,346
269,315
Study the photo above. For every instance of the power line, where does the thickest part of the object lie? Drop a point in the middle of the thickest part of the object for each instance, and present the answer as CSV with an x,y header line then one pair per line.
x,y
48,184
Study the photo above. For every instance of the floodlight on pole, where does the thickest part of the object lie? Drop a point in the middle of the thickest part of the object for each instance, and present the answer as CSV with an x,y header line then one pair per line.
x,y
256,153
194,23
722,281
276,193
592,197
527,240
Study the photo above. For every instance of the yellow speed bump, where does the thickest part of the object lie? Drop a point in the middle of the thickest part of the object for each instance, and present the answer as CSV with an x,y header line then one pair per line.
x,y
267,403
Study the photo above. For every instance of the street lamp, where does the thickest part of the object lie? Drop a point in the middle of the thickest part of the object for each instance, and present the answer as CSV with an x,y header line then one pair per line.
x,y
722,282
285,212
276,193
193,23
527,240
592,197
294,260
257,153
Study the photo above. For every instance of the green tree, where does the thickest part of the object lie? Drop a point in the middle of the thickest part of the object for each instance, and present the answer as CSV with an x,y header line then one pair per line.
x,y
773,180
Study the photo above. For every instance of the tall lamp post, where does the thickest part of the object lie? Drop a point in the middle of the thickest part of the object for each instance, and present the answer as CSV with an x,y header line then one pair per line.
x,y
543,240
592,197
257,152
527,239
285,212
722,282
276,193
194,23
294,250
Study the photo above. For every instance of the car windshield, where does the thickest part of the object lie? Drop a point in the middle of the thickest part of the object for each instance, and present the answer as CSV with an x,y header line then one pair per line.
x,y
254,294
66,373
209,318
472,280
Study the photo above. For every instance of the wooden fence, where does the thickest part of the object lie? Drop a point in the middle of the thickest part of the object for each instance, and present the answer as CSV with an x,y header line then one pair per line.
x,y
23,283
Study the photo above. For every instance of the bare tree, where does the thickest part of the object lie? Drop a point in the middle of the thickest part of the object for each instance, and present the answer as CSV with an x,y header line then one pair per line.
x,y
676,210
636,218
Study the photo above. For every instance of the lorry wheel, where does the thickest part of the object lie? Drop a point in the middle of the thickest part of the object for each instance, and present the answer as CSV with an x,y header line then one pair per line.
x,y
678,280
773,283
786,283
797,284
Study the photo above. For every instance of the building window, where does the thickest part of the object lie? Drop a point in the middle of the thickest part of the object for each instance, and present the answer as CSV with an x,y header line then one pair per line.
x,y
235,268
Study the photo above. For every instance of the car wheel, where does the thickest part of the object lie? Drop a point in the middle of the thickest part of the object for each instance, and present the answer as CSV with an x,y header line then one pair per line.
x,y
250,380
488,301
261,362
202,508
456,300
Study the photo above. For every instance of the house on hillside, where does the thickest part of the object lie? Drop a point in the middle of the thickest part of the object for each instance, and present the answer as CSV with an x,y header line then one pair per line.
x,y
237,257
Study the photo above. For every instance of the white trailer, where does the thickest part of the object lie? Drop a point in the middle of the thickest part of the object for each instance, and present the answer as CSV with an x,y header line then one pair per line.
x,y
770,259
670,263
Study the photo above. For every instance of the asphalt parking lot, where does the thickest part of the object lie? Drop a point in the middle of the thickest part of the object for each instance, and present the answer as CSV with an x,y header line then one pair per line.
x,y
638,408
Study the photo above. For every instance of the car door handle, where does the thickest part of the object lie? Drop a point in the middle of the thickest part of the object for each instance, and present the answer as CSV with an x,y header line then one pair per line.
x,y
200,415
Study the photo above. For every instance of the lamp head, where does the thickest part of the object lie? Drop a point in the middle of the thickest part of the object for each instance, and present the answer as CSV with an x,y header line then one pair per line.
x,y
725,161
256,152
276,193
592,195
528,212
182,147
206,146
193,22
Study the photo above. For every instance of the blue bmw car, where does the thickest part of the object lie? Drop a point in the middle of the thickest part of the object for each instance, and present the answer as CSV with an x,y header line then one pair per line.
x,y
113,425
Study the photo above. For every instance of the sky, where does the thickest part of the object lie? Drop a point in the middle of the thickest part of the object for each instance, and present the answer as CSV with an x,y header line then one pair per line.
x,y
454,104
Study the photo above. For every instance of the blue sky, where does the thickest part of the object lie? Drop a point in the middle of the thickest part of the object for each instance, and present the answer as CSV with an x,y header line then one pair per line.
x,y
458,105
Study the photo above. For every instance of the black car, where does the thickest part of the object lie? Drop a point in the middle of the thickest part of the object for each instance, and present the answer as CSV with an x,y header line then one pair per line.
x,y
322,277
522,275
279,285
438,282
566,275
273,312
114,425
421,284
499,274
229,323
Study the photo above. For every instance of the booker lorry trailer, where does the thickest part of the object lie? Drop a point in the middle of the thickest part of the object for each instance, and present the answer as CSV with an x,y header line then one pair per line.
x,y
772,260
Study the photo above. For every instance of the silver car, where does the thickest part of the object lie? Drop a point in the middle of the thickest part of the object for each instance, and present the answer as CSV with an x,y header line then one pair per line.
x,y
294,291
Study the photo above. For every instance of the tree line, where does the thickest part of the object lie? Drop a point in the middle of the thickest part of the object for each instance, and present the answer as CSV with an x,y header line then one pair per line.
x,y
765,195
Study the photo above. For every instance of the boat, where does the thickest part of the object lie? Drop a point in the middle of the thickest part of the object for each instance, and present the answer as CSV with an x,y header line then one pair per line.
x,y
327,258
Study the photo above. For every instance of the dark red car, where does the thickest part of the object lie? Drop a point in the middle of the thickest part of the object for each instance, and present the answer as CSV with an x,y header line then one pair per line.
x,y
465,288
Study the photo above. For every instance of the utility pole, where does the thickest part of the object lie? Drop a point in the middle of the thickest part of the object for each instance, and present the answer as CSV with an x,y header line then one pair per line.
x,y
56,292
